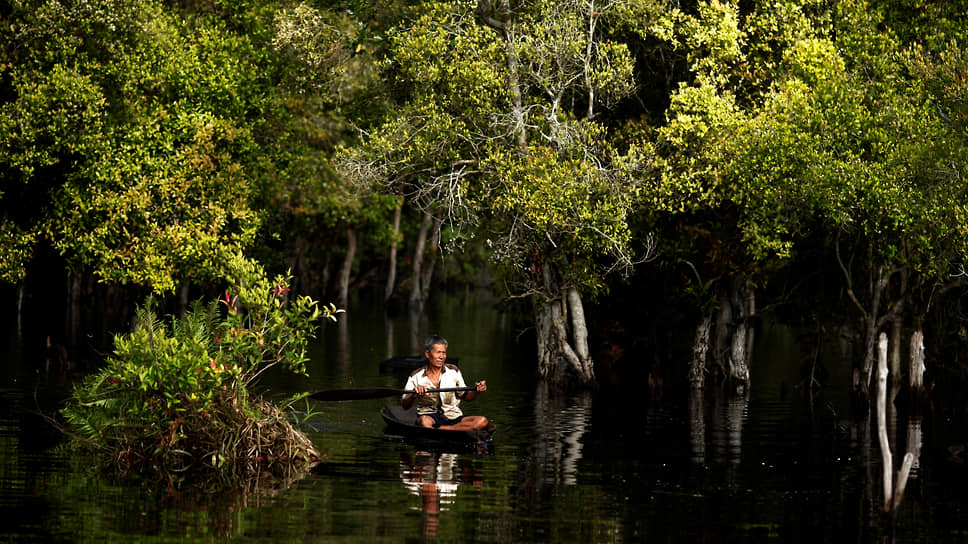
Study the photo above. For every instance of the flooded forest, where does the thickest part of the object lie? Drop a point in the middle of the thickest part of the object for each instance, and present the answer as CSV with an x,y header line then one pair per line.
x,y
659,217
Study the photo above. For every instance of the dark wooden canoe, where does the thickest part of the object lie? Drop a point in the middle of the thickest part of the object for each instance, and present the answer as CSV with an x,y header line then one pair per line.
x,y
402,423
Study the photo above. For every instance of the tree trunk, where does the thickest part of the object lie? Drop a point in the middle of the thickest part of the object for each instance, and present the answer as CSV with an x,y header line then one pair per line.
x,y
428,269
20,307
724,318
916,369
559,361
547,318
700,347
183,299
416,276
579,328
392,273
589,53
894,354
74,318
887,457
324,274
344,273
743,301
733,339
873,324
501,22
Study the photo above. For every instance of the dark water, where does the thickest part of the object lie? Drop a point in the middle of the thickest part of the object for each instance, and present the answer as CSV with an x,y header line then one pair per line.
x,y
616,466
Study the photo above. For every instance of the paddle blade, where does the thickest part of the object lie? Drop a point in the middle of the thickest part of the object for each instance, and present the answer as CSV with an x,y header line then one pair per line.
x,y
356,394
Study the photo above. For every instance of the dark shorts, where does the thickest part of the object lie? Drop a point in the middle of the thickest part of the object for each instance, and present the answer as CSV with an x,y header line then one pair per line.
x,y
439,419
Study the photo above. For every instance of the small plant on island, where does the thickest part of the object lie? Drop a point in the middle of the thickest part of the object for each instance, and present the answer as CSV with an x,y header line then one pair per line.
x,y
174,396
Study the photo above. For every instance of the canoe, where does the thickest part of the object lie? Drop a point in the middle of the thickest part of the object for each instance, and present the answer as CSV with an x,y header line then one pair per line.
x,y
403,424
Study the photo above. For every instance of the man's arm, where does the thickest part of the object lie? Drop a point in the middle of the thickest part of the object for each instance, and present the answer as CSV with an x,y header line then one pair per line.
x,y
471,395
408,399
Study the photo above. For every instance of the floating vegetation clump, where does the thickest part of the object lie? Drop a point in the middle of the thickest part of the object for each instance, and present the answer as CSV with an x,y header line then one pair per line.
x,y
174,396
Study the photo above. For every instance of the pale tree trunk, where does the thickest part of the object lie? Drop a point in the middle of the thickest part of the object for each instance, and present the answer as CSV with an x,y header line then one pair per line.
x,y
501,23
589,52
513,79
416,275
893,489
873,323
744,304
579,328
392,273
558,358
916,369
887,458
344,274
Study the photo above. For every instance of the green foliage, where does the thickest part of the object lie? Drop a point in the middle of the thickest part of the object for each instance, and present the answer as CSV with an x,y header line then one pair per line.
x,y
16,248
853,147
175,394
560,210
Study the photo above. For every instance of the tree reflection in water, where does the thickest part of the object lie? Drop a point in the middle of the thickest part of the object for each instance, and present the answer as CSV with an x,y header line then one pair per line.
x,y
728,413
560,421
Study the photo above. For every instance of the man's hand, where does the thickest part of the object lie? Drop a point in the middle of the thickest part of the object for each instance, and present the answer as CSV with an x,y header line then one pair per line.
x,y
420,390
481,386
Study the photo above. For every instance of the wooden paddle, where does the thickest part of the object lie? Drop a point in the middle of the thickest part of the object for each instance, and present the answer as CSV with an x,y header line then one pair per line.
x,y
375,393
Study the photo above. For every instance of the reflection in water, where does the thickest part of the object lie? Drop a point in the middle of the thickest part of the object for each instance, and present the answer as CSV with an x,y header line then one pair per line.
x,y
697,426
345,351
727,416
388,328
914,443
561,422
435,477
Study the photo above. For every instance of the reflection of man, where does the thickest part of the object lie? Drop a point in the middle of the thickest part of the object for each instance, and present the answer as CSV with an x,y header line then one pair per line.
x,y
431,477
435,477
441,410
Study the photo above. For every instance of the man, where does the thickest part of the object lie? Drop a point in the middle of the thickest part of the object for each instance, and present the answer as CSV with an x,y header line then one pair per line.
x,y
441,410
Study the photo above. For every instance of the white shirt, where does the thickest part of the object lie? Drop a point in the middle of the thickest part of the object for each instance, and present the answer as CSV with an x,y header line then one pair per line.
x,y
444,403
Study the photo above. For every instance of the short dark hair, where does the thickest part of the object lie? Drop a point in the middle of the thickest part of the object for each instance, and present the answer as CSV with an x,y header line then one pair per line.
x,y
433,340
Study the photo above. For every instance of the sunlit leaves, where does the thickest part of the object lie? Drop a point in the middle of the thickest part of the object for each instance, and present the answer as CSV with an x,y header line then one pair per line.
x,y
566,201
146,121
16,248
832,149
156,218
57,113
701,119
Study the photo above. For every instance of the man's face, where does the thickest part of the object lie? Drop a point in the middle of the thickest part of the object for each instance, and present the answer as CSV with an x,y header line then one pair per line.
x,y
437,355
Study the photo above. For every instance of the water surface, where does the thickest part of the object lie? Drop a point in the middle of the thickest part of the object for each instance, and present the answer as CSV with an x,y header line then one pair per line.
x,y
617,465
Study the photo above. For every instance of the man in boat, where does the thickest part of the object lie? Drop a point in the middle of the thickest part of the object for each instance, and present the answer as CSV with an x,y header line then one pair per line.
x,y
441,410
